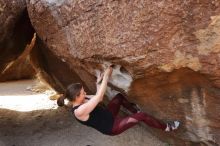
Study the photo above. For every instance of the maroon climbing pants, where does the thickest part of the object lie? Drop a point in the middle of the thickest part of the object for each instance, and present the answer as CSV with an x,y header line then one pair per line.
x,y
123,123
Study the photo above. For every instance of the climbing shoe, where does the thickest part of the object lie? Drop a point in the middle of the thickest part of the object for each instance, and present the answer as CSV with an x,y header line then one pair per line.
x,y
172,126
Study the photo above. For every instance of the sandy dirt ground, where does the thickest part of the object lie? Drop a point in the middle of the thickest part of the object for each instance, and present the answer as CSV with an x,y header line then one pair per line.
x,y
30,118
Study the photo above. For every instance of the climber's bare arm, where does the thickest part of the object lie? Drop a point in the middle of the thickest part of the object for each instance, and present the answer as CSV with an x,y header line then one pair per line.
x,y
84,110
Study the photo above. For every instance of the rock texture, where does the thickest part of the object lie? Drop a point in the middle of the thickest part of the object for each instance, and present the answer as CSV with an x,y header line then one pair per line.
x,y
182,94
15,33
167,52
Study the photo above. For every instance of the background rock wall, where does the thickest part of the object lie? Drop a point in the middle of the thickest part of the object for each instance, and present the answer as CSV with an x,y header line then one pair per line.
x,y
16,32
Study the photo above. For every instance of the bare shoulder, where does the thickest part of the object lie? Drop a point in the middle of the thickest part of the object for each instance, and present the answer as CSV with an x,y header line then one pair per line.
x,y
80,116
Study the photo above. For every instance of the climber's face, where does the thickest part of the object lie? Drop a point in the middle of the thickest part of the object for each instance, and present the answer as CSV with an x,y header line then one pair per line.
x,y
82,95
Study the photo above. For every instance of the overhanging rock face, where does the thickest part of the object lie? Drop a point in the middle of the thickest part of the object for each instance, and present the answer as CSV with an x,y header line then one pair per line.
x,y
168,55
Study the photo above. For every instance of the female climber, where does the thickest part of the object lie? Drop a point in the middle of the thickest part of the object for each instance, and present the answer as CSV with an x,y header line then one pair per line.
x,y
106,120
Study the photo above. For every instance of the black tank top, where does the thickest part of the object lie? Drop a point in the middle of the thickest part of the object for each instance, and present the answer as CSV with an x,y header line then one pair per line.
x,y
100,118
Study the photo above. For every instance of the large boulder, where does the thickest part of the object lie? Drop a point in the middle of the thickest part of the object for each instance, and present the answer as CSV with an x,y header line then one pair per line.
x,y
167,55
